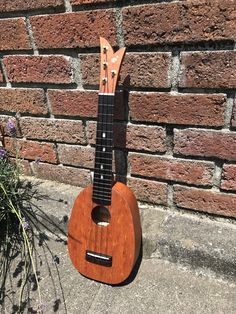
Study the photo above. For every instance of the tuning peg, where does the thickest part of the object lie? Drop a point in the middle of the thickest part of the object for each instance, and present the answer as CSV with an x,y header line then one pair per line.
x,y
113,73
104,80
105,49
105,65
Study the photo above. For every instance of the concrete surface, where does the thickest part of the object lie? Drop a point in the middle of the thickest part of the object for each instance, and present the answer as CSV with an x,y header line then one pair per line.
x,y
185,238
188,265
159,287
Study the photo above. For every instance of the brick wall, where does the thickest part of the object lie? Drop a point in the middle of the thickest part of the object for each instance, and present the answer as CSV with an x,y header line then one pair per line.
x,y
175,124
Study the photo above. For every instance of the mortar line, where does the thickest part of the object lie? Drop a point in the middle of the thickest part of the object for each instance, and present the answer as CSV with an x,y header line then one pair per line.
x,y
217,174
228,112
119,28
174,71
68,6
4,72
170,197
48,104
31,36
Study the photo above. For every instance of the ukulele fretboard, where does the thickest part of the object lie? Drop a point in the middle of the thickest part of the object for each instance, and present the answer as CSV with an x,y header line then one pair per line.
x,y
102,183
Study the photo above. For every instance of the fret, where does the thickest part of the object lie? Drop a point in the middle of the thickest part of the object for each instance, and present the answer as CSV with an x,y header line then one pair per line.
x,y
97,195
102,170
104,138
104,183
107,122
105,176
102,130
102,200
102,189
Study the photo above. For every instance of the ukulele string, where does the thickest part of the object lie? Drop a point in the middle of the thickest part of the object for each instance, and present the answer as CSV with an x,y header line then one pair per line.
x,y
105,124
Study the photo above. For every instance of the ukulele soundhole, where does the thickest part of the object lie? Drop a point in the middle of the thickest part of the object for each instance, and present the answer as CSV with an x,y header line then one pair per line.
x,y
101,216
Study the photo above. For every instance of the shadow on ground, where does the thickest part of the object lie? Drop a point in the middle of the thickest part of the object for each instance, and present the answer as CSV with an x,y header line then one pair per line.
x,y
22,283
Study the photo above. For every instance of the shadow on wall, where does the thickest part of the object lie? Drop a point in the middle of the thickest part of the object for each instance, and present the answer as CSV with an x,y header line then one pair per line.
x,y
120,136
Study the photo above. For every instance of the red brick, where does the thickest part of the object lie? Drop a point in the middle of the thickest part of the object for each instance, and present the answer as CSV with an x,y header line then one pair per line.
x,y
22,5
205,143
138,137
23,100
38,69
149,191
228,181
31,150
192,109
215,69
58,130
180,170
180,22
81,103
13,35
205,200
77,2
24,166
70,30
76,155
68,175
143,69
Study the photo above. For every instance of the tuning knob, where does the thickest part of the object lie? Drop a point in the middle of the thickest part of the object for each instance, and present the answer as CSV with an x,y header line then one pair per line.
x,y
104,65
113,73
104,80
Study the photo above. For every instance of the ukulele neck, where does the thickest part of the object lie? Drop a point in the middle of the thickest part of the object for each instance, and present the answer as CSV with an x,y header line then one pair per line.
x,y
102,183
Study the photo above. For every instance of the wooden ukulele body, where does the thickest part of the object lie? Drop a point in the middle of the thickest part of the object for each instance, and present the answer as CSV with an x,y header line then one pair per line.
x,y
105,252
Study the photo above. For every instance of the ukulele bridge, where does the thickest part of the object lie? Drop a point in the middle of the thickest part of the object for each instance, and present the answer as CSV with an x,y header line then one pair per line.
x,y
98,258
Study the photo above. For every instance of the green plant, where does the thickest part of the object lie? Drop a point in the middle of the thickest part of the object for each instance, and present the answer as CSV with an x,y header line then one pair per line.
x,y
16,227
23,227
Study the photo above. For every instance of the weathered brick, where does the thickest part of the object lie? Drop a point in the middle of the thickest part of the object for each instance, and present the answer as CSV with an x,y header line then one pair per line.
x,y
143,69
179,22
149,191
13,34
77,2
228,181
23,5
76,155
82,103
205,200
138,137
58,130
70,30
205,143
68,175
23,100
178,108
31,150
215,69
180,170
24,166
1,75
38,69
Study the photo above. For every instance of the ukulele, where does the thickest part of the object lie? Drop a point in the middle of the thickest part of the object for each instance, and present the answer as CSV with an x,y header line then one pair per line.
x,y
104,232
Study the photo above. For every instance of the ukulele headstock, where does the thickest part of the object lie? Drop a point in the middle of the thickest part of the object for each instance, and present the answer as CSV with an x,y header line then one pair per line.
x,y
110,63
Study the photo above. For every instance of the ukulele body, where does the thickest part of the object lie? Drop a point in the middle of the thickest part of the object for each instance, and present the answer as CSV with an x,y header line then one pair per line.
x,y
105,248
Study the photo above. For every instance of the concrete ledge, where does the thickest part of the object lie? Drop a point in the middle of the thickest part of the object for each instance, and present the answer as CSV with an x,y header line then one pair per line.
x,y
203,243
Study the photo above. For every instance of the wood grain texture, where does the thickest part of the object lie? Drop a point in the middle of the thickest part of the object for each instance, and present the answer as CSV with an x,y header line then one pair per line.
x,y
121,239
